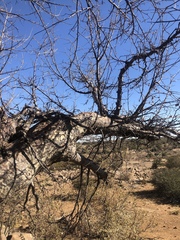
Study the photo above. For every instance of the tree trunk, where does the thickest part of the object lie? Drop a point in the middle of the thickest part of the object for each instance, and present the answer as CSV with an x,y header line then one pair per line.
x,y
52,138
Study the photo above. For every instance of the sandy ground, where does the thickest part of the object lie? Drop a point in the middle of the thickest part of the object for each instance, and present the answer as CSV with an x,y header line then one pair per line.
x,y
166,217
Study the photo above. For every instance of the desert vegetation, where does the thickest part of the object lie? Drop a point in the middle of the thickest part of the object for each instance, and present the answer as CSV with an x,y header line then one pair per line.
x,y
71,205
166,179
73,70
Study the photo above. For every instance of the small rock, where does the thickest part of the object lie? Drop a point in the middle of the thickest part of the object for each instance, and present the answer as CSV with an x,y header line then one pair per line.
x,y
20,236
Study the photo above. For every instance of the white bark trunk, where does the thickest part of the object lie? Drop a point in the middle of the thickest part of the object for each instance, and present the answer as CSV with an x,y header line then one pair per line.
x,y
54,140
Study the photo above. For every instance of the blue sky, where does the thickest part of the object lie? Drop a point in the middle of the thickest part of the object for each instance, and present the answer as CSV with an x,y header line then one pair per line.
x,y
27,55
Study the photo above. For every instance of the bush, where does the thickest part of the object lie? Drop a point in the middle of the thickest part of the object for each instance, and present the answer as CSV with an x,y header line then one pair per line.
x,y
113,215
167,182
173,162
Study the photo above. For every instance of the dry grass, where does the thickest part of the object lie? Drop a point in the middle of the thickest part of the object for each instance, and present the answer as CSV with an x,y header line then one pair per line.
x,y
112,213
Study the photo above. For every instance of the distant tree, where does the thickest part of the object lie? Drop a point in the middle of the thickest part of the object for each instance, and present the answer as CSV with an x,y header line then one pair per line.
x,y
82,68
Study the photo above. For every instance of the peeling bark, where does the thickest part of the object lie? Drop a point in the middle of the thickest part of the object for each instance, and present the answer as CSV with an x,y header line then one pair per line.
x,y
51,138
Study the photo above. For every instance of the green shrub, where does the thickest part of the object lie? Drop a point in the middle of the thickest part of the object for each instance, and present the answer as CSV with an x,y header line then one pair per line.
x,y
167,182
173,161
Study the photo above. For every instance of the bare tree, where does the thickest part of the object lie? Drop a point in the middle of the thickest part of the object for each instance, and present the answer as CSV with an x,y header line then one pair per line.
x,y
116,59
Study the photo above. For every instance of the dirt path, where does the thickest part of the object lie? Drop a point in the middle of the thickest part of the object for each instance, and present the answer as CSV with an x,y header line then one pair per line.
x,y
166,217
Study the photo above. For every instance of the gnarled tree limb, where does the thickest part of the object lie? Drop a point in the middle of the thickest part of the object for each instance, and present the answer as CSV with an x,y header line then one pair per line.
x,y
52,137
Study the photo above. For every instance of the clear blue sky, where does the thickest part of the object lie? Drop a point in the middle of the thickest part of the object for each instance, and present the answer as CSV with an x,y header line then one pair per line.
x,y
27,55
